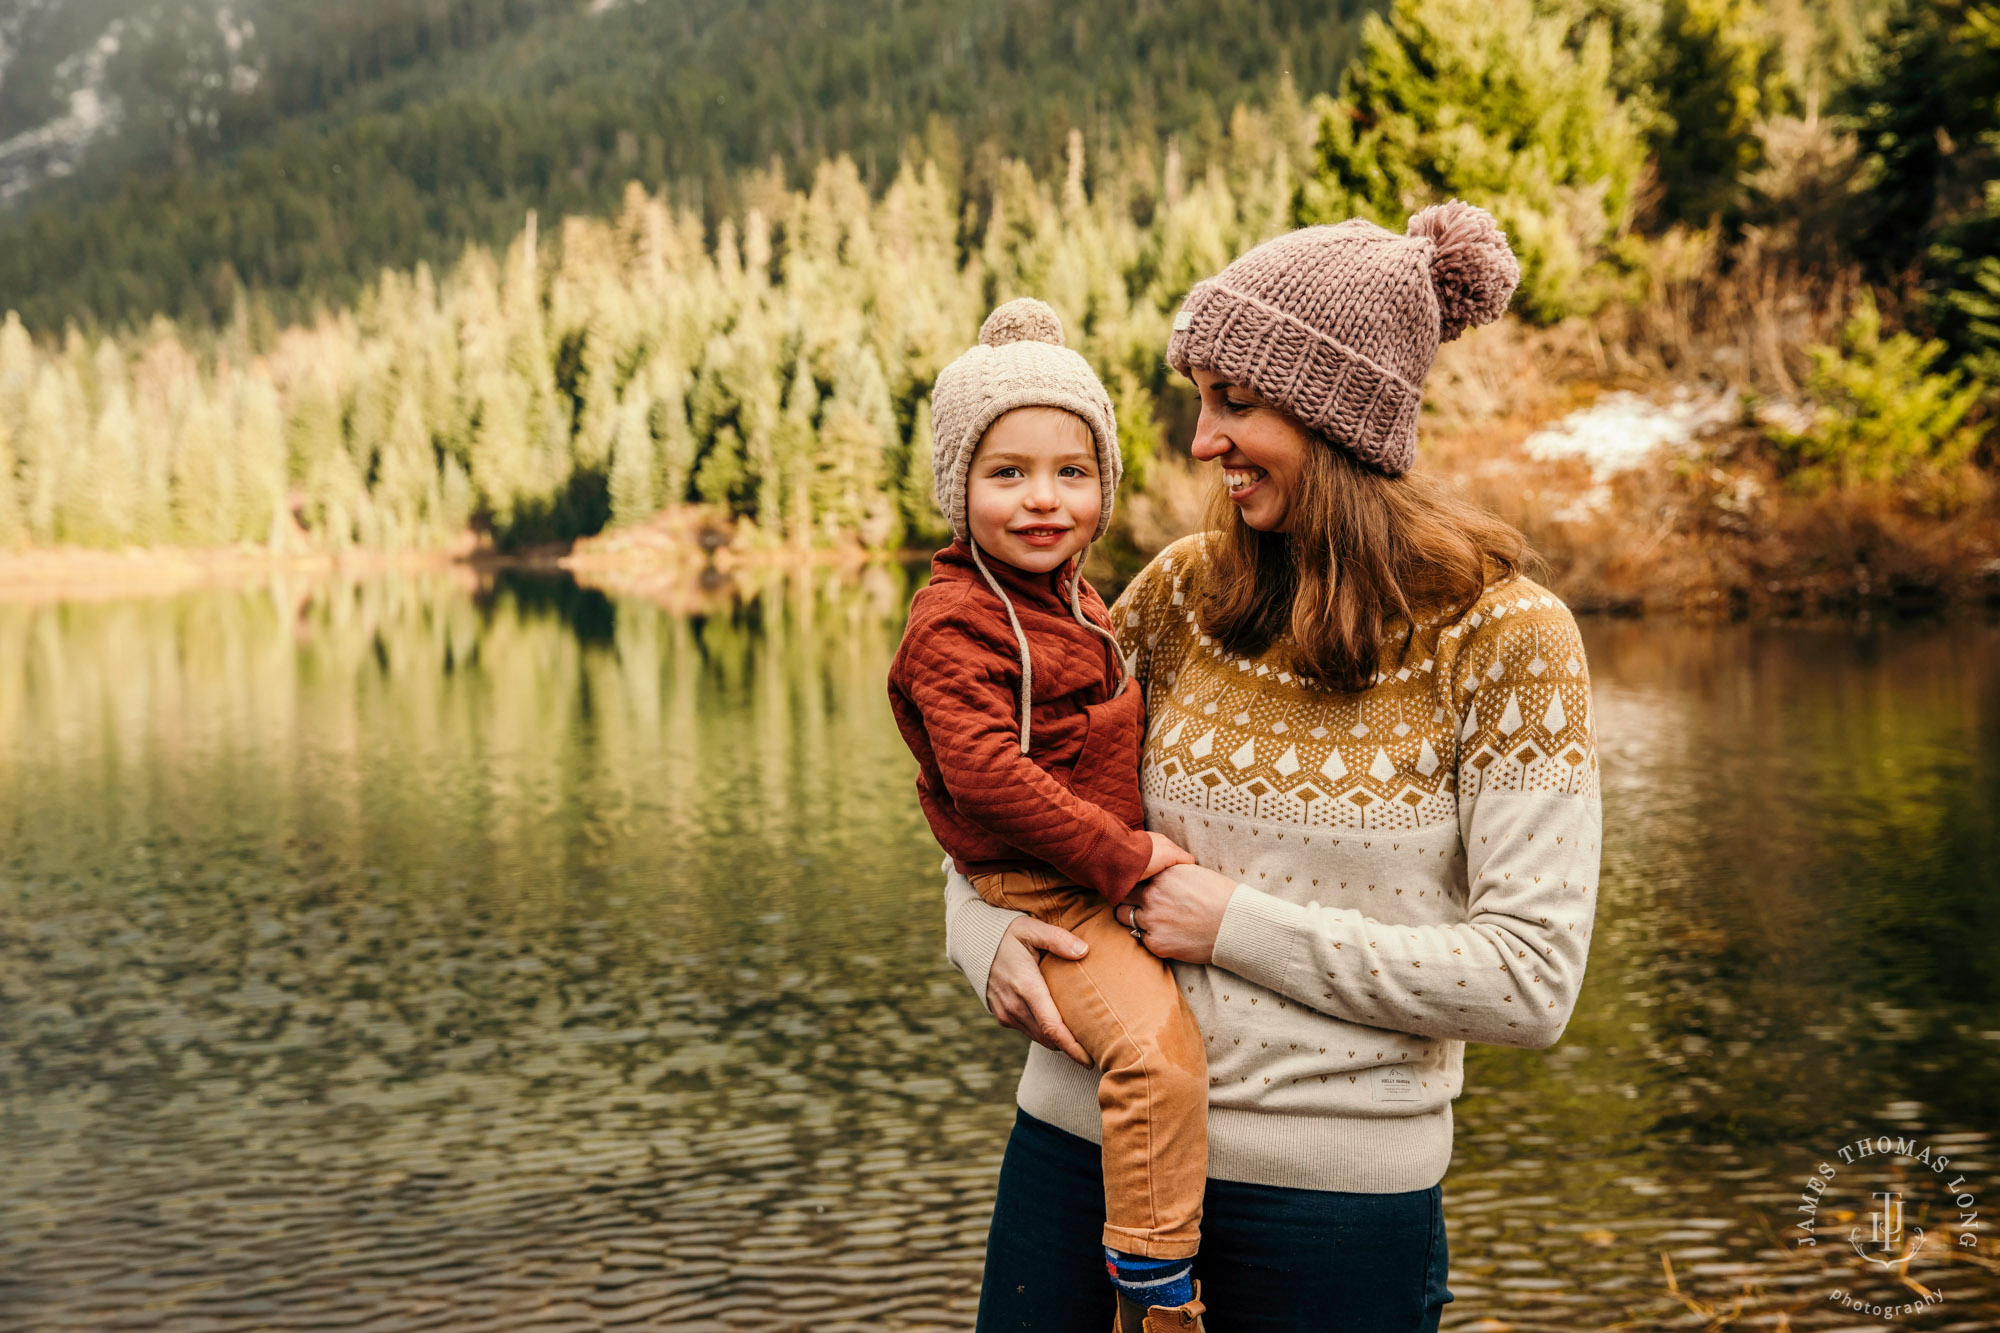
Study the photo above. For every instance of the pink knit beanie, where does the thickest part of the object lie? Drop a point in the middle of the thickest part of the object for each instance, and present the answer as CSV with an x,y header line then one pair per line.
x,y
1338,325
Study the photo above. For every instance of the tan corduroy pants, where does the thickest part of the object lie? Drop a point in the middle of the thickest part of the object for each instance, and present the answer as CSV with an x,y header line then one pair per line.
x,y
1130,1017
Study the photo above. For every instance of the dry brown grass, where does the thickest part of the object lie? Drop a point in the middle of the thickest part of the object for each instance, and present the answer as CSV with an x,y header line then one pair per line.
x,y
1720,531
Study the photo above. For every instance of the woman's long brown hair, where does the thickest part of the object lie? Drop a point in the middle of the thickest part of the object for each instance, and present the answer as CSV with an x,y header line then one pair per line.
x,y
1365,552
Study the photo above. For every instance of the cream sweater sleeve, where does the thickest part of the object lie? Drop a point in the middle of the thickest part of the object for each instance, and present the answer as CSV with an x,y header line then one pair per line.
x,y
973,929
1509,974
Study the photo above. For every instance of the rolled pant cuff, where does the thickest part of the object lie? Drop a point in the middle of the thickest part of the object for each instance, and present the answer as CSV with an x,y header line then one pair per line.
x,y
1150,1247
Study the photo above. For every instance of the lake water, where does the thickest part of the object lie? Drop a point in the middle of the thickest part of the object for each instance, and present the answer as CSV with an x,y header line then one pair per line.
x,y
415,953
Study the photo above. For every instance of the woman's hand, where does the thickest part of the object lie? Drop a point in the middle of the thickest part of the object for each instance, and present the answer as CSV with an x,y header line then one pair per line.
x,y
1016,993
1180,910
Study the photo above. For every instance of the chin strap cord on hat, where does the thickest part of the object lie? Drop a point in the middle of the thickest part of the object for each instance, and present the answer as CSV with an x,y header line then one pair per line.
x,y
1076,609
1021,638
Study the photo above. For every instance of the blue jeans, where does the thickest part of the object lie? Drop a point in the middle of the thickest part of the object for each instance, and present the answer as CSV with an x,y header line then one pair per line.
x,y
1272,1260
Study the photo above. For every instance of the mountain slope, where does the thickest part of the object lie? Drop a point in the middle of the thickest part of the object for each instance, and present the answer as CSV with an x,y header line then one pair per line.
x,y
89,88
394,131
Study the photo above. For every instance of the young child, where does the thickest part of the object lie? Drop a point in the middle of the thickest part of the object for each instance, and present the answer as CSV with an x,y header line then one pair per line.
x,y
1010,691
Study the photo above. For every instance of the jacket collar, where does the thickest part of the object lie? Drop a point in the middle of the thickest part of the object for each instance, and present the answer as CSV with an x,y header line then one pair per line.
x,y
1049,591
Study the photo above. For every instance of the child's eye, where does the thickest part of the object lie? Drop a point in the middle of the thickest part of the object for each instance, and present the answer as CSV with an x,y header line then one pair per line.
x,y
1007,472
1072,471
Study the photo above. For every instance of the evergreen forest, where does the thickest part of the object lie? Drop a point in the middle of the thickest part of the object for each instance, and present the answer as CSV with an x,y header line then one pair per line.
x,y
537,271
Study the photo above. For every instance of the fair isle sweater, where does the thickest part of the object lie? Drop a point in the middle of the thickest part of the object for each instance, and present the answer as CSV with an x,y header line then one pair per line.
x,y
1416,863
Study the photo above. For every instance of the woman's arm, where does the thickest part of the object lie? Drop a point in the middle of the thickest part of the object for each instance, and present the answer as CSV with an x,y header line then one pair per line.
x,y
1000,953
973,929
1510,973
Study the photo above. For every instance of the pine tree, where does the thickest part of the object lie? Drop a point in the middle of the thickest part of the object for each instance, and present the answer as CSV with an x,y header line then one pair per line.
x,y
320,462
50,430
1885,410
17,374
94,486
18,360
1494,101
205,490
1927,98
1714,78
506,472
12,529
455,503
920,508
1139,433
1931,120
859,441
259,446
108,512
406,493
1968,310
719,479
634,461
153,518
794,453
665,389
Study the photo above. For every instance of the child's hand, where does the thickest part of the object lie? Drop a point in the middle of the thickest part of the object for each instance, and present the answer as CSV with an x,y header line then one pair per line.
x,y
1166,852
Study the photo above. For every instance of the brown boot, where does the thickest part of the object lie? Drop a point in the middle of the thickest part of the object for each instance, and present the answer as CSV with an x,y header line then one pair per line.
x,y
1136,1318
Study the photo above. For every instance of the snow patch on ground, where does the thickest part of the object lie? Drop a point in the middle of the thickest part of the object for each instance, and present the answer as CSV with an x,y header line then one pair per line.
x,y
54,147
1623,430
236,39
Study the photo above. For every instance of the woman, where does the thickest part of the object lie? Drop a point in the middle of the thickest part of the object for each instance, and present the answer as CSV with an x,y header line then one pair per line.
x,y
1374,736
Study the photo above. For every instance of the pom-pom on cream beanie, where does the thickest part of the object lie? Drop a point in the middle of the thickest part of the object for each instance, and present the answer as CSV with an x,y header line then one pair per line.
x,y
1020,362
1338,325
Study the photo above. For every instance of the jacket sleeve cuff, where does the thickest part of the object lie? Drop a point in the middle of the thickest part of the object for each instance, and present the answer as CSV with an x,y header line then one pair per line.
x,y
973,929
1118,863
1257,937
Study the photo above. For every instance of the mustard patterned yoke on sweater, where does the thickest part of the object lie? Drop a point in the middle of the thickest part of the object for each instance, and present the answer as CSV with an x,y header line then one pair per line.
x,y
1417,868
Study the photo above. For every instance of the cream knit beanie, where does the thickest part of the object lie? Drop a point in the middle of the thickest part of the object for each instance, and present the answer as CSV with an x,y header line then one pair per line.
x,y
1020,362
1338,325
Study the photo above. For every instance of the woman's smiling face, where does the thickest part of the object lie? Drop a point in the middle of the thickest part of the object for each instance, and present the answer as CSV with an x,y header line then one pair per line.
x,y
1261,448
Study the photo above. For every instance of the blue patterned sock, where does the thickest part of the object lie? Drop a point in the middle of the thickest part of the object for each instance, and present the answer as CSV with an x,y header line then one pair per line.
x,y
1168,1282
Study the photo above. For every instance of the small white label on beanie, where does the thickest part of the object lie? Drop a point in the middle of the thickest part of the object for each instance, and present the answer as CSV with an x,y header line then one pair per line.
x,y
1184,320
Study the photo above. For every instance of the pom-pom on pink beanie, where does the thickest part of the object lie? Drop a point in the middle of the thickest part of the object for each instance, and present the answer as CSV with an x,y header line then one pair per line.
x,y
1020,362
1338,325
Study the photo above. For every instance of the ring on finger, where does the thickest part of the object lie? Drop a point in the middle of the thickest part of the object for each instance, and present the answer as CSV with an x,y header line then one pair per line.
x,y
1137,932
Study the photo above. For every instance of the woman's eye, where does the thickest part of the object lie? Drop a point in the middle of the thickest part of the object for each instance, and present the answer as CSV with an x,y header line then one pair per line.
x,y
1230,405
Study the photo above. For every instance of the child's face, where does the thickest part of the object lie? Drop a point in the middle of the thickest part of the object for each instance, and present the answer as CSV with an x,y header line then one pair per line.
x,y
1032,496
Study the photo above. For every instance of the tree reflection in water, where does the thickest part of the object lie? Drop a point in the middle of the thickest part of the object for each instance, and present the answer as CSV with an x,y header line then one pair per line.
x,y
523,954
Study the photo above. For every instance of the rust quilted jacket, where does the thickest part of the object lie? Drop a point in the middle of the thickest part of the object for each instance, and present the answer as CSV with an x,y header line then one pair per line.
x,y
1073,803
